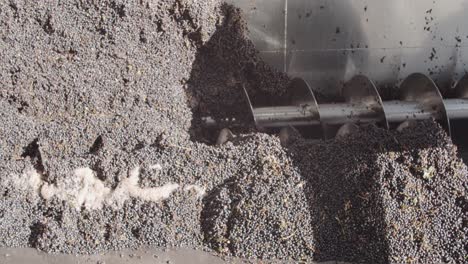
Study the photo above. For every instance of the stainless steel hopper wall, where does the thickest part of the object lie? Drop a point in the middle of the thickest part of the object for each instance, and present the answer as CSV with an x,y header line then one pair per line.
x,y
327,42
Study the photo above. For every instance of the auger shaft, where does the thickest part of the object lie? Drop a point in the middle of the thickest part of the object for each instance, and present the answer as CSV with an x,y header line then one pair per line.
x,y
361,103
341,113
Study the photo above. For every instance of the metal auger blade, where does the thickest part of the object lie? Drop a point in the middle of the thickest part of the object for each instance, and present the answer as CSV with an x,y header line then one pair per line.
x,y
361,103
461,88
419,88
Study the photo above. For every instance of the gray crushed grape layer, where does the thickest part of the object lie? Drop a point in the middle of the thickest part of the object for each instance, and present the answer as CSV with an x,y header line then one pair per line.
x,y
114,85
